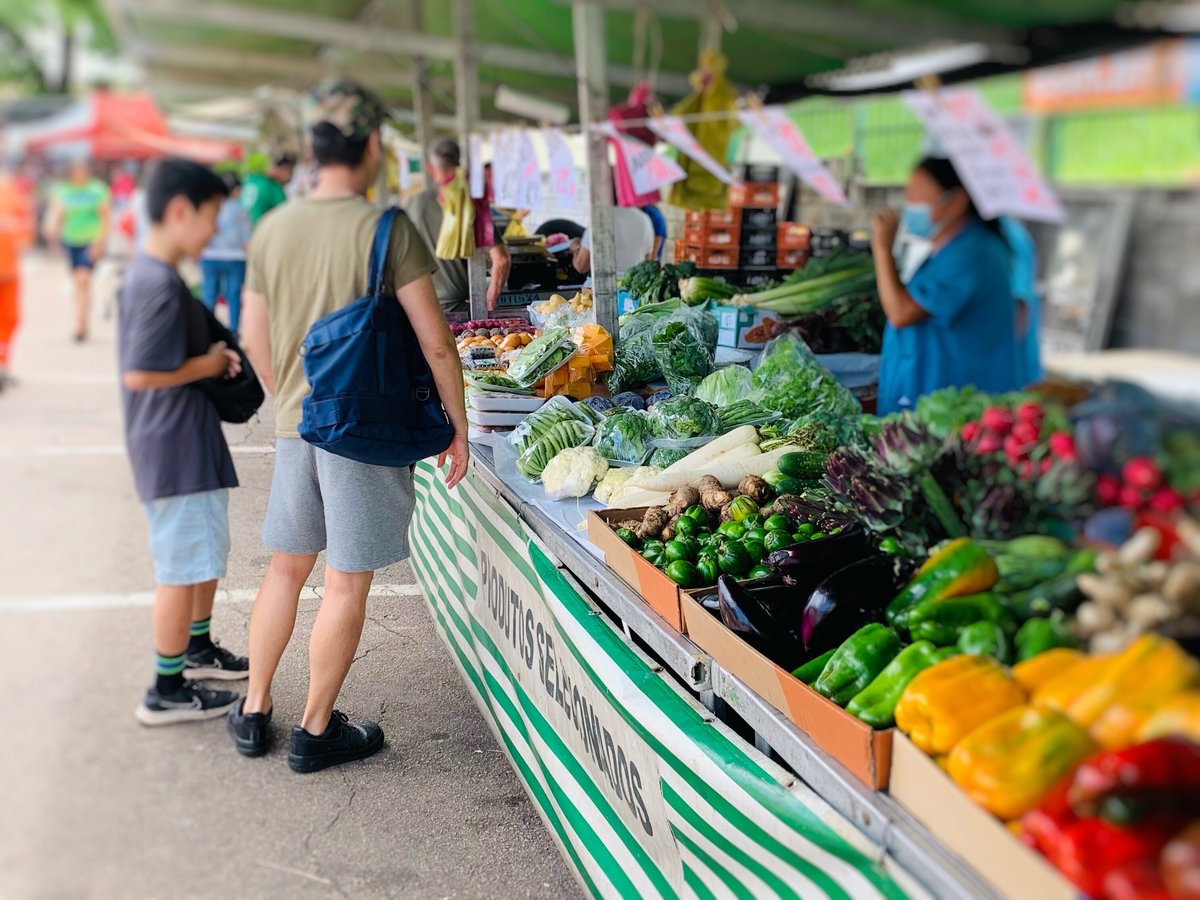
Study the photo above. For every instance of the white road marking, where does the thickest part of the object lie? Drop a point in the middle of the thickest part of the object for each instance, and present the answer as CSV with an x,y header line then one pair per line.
x,y
63,602
113,450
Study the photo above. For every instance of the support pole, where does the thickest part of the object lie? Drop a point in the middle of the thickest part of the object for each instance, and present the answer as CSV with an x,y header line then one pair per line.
x,y
590,70
422,101
466,94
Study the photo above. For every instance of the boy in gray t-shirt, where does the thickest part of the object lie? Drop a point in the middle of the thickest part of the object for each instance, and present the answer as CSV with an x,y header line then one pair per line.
x,y
181,464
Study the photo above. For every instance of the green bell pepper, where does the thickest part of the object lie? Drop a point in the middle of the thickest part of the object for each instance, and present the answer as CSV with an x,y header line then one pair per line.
x,y
985,639
811,670
1039,635
876,703
940,621
857,662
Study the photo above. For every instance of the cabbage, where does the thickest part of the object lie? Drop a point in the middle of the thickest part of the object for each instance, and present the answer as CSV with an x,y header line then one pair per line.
x,y
726,386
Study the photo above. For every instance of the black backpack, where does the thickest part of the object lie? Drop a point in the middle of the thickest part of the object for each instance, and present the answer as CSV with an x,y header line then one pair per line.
x,y
237,398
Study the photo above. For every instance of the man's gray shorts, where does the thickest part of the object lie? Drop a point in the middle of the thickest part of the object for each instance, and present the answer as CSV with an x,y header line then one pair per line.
x,y
358,513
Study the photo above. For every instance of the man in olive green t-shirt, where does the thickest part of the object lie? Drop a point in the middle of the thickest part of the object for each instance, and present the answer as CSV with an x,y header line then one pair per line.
x,y
263,191
306,260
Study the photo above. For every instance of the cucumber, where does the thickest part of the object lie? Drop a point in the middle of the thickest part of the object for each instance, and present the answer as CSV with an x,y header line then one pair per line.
x,y
805,465
786,485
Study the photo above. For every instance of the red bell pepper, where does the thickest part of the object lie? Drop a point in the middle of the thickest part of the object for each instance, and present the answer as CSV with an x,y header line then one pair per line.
x,y
1137,881
1180,864
1167,767
1043,826
1091,848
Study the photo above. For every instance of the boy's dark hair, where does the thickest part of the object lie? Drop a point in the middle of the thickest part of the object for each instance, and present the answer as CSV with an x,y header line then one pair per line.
x,y
173,177
232,181
331,147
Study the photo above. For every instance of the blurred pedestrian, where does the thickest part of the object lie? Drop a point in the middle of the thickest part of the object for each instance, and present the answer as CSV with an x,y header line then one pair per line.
x,y
1023,267
78,220
263,191
16,233
223,262
181,464
306,261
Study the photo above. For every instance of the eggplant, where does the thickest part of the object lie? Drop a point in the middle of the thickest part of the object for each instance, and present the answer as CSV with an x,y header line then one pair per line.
x,y
761,619
853,596
805,565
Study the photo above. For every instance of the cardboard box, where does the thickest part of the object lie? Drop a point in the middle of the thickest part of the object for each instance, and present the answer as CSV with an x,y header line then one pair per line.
x,y
865,752
977,837
742,327
660,592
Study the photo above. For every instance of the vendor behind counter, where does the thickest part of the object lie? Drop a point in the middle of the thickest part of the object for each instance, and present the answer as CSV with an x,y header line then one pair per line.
x,y
954,322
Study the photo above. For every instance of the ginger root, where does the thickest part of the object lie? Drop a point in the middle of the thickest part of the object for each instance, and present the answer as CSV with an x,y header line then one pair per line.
x,y
755,488
682,500
713,495
652,524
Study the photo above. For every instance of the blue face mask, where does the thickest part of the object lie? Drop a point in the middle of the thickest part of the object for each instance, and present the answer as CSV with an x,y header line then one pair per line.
x,y
917,219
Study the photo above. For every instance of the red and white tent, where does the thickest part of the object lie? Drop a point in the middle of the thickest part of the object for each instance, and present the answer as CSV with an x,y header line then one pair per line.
x,y
116,126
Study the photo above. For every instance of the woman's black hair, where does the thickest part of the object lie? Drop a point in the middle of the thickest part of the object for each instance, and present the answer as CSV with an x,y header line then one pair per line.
x,y
941,170
332,148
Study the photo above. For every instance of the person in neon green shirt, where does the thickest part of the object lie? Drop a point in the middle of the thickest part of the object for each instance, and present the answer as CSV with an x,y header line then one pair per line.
x,y
78,219
263,191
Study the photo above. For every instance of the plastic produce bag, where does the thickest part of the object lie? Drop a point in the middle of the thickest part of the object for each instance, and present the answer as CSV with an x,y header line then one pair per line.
x,y
559,437
624,437
541,357
794,384
683,419
634,364
726,386
703,321
456,239
682,354
552,412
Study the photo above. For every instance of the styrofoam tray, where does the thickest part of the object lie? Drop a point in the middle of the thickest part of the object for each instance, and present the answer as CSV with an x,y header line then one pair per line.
x,y
487,401
495,419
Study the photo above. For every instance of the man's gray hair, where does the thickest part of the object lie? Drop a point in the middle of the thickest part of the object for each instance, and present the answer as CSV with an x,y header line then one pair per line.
x,y
445,154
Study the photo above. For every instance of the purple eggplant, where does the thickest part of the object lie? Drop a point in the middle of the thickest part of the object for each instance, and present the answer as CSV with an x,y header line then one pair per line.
x,y
807,564
853,596
762,620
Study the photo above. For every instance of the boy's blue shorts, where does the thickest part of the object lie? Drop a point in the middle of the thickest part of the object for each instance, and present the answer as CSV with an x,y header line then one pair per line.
x,y
189,537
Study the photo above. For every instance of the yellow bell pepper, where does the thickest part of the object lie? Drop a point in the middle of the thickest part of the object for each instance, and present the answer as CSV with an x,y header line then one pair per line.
x,y
1178,716
948,701
1115,697
1033,673
1008,764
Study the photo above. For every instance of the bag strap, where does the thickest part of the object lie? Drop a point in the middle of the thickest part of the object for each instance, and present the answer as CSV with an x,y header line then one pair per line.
x,y
377,267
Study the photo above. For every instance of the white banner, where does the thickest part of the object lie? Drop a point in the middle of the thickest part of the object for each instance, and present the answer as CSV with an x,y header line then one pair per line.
x,y
774,126
475,165
564,177
530,181
674,131
506,169
647,170
994,167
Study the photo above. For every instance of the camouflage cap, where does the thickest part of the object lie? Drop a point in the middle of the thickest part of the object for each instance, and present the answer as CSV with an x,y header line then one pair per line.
x,y
351,108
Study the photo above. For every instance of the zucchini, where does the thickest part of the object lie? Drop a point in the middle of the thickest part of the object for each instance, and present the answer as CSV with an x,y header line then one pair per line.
x,y
805,465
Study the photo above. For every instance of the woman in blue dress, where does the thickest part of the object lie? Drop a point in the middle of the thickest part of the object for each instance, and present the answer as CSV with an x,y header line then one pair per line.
x,y
954,322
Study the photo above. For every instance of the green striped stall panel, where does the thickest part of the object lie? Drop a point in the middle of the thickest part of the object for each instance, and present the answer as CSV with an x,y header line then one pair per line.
x,y
645,795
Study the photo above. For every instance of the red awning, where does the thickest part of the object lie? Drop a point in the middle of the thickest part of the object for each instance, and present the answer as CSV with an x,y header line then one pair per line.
x,y
130,126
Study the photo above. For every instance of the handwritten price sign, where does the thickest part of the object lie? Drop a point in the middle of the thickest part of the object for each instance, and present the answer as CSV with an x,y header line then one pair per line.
x,y
998,174
673,130
647,170
506,169
530,182
564,178
775,127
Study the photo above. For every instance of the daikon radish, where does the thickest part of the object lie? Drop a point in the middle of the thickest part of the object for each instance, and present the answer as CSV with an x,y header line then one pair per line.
x,y
746,434
668,480
731,472
635,497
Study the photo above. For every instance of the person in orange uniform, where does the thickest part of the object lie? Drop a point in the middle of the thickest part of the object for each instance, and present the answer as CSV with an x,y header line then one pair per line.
x,y
16,233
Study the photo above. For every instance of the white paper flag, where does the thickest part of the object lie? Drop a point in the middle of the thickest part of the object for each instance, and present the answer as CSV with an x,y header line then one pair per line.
x,y
564,177
993,165
475,165
774,126
506,169
530,181
673,130
403,171
647,170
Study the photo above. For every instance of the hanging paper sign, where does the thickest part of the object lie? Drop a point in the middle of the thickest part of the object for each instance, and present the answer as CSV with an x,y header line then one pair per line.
x,y
994,167
529,183
673,130
776,128
647,170
403,170
564,178
506,169
475,165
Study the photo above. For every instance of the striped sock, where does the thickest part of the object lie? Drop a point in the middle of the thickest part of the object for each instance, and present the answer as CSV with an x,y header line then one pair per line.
x,y
199,638
168,673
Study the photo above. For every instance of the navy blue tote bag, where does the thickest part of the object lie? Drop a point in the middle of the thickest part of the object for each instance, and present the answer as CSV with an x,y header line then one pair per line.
x,y
373,397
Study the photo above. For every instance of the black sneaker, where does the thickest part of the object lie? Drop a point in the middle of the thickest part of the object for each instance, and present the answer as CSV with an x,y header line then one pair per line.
x,y
341,742
215,664
191,703
251,732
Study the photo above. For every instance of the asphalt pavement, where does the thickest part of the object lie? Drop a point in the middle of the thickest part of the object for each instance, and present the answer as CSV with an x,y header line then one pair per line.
x,y
97,806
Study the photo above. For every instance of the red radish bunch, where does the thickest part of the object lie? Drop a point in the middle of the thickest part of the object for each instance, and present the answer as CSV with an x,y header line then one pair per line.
x,y
1018,434
1141,487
